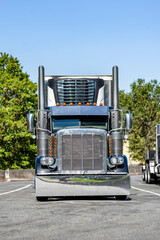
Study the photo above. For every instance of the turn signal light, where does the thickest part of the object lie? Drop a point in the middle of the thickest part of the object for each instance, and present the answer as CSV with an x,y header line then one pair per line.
x,y
71,104
87,103
79,103
94,104
64,104
57,104
101,104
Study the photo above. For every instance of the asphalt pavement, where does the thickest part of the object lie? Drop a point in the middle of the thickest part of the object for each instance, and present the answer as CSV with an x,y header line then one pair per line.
x,y
22,217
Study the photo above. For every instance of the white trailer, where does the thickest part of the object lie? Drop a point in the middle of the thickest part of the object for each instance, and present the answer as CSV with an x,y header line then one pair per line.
x,y
151,169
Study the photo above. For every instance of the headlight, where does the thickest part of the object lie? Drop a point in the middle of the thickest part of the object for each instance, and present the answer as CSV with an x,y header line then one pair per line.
x,y
113,160
120,160
47,161
117,160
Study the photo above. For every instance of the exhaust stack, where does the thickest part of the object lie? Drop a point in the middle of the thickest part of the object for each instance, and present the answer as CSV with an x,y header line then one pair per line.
x,y
117,135
42,117
41,97
115,88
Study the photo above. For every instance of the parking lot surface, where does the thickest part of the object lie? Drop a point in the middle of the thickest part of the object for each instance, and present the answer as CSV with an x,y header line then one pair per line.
x,y
22,217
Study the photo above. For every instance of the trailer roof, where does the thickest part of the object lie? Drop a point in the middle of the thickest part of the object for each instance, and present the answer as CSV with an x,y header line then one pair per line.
x,y
104,77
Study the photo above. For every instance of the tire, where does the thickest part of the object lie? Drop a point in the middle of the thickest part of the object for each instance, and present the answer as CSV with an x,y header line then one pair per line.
x,y
149,175
143,176
146,173
155,179
42,198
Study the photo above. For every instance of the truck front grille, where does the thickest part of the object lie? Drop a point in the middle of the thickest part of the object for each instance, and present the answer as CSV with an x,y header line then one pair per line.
x,y
76,90
82,152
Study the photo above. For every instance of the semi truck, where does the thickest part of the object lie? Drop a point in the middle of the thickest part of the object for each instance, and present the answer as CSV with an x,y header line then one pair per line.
x,y
151,168
79,134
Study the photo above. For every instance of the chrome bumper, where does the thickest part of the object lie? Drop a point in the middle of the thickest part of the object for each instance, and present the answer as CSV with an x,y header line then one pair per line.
x,y
95,185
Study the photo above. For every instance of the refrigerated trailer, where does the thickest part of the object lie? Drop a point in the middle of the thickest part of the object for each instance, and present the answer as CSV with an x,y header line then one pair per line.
x,y
151,168
79,134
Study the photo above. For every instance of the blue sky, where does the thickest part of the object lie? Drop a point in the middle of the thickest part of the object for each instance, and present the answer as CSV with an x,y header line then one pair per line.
x,y
84,37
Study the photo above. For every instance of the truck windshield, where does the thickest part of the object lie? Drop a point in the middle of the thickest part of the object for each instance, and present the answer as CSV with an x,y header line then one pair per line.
x,y
93,124
65,123
81,122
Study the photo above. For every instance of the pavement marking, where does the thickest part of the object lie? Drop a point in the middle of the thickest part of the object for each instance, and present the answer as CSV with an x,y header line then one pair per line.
x,y
142,190
16,190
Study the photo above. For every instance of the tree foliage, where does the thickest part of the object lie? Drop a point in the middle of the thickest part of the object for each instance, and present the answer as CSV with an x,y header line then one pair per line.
x,y
144,103
17,97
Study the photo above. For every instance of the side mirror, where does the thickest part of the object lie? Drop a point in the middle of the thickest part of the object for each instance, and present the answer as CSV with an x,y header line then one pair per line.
x,y
30,122
128,122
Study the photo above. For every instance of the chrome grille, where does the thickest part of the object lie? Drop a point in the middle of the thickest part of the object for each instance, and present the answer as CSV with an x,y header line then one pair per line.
x,y
76,90
82,152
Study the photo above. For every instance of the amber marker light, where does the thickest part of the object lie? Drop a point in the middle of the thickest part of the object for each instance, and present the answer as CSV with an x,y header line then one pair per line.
x,y
87,103
109,138
50,146
94,104
79,103
101,104
55,146
57,104
71,104
64,104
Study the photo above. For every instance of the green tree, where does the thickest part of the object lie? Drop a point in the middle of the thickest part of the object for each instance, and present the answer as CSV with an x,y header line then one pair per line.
x,y
17,97
144,103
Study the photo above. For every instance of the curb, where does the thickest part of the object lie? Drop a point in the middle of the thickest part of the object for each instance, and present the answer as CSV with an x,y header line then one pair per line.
x,y
28,174
16,175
